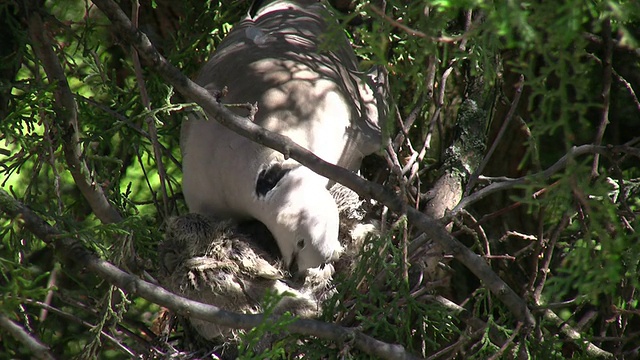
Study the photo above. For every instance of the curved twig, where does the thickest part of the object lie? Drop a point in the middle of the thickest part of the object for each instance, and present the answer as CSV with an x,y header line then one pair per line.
x,y
135,127
505,124
70,317
414,32
148,119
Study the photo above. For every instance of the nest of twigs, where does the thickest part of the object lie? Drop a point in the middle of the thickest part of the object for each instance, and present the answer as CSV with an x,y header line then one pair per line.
x,y
233,266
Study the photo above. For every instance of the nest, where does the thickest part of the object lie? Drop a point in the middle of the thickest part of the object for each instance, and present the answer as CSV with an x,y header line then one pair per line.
x,y
233,266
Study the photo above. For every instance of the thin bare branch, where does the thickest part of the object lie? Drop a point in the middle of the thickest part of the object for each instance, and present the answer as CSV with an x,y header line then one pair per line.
x,y
411,118
629,88
135,127
507,343
621,79
543,269
413,32
51,285
149,120
510,183
606,92
70,317
512,110
619,45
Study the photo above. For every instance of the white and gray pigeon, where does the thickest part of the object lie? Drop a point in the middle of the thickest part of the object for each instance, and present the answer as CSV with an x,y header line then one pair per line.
x,y
307,89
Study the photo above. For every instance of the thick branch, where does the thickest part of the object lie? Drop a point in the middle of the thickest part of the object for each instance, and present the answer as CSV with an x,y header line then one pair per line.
x,y
463,154
38,350
66,113
569,332
74,251
429,226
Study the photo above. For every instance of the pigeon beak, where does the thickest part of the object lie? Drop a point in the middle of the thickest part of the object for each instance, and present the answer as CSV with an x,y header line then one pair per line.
x,y
293,267
297,276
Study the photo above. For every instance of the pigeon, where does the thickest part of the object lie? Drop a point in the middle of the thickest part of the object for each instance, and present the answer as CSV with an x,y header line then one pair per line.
x,y
303,75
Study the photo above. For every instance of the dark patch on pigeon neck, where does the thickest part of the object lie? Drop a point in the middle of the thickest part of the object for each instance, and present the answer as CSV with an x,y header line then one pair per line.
x,y
269,178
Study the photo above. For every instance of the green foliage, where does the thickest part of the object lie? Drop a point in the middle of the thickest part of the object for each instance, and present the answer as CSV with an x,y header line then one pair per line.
x,y
377,297
438,53
597,235
252,343
118,153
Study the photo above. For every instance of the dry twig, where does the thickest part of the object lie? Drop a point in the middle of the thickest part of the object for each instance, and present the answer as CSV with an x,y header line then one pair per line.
x,y
510,183
606,91
149,120
510,115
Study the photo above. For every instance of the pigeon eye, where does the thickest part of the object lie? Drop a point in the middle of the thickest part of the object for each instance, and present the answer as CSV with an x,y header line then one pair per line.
x,y
300,244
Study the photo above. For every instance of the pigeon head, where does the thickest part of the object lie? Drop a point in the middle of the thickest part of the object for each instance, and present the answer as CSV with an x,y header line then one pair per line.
x,y
301,214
